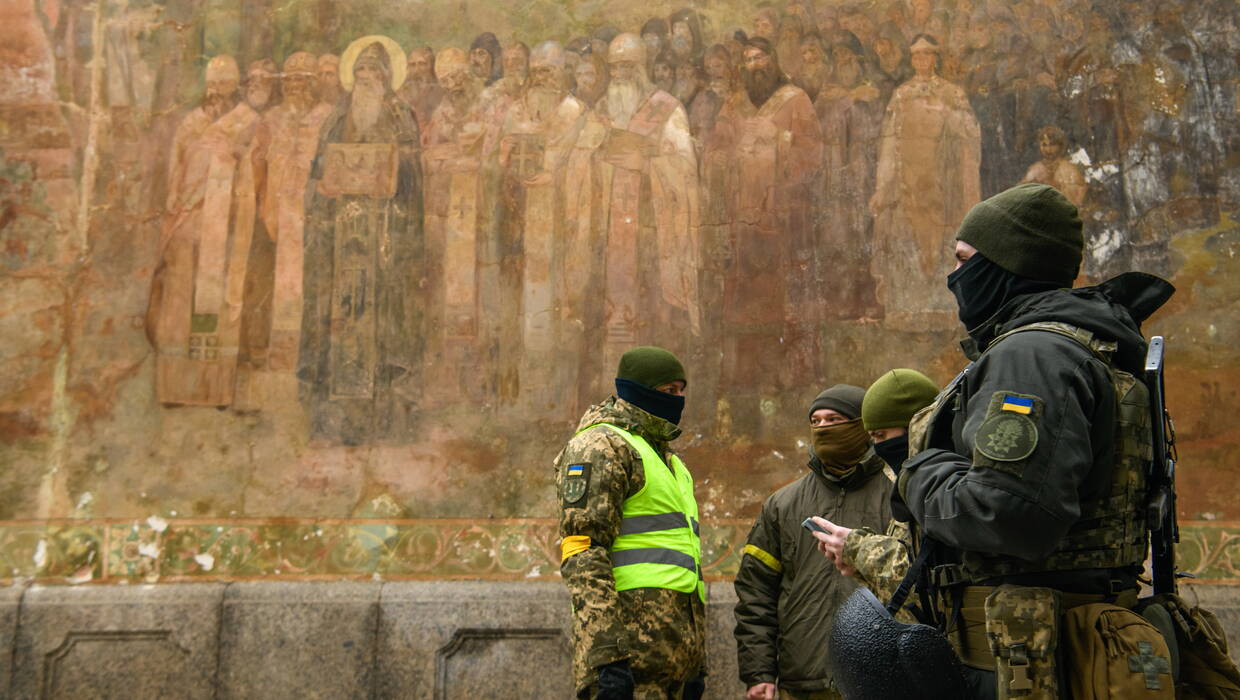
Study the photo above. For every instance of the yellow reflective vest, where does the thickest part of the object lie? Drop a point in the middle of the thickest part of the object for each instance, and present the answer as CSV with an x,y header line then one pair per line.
x,y
659,545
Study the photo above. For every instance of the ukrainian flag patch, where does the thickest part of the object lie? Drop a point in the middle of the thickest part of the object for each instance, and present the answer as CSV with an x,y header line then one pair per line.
x,y
576,469
1017,404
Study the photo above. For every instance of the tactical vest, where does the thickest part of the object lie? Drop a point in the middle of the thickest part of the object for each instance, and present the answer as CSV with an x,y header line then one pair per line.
x,y
659,544
1111,530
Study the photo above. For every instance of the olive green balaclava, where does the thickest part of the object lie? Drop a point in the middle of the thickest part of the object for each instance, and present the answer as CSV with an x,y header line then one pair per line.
x,y
1030,230
894,397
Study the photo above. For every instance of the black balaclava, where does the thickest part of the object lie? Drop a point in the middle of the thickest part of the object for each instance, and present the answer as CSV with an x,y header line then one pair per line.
x,y
982,288
652,401
893,451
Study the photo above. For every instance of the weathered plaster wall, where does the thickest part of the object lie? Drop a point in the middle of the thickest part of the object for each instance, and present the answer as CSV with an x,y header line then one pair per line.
x,y
101,480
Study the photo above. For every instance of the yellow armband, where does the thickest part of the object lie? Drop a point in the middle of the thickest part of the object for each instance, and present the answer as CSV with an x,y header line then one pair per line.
x,y
573,544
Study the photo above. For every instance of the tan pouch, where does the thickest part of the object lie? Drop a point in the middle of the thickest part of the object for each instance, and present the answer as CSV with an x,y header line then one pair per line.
x,y
1112,652
1206,669
1022,623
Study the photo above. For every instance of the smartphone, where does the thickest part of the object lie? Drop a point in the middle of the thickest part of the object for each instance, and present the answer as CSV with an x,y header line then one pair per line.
x,y
812,526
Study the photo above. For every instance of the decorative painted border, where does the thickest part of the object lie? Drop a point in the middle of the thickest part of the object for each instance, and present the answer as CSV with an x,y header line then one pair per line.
x,y
157,550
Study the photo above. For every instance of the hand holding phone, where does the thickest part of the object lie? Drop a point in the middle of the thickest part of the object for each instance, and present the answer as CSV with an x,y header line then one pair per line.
x,y
812,526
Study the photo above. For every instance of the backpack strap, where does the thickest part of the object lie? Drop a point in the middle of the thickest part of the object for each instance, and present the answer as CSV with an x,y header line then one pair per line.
x,y
1102,349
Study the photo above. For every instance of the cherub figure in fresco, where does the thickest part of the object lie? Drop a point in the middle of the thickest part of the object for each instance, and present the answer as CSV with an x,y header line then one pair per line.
x,y
194,316
362,326
927,179
539,133
1055,169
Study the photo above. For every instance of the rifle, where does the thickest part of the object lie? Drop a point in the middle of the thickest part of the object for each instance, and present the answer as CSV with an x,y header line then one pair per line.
x,y
1160,506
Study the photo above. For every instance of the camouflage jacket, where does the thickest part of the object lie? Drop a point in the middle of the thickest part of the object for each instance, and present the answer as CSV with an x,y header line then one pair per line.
x,y
787,591
660,632
881,561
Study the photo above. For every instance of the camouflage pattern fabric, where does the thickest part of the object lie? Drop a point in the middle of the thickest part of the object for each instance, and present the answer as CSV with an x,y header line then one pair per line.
x,y
660,632
881,561
1022,623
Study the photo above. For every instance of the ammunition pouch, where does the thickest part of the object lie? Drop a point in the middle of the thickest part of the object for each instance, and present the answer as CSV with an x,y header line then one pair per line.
x,y
874,657
1022,624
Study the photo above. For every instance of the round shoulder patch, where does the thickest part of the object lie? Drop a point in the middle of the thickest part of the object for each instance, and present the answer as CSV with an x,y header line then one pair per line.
x,y
1006,437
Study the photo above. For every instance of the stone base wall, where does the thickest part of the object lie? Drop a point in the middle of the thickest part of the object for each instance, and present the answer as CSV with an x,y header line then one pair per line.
x,y
440,640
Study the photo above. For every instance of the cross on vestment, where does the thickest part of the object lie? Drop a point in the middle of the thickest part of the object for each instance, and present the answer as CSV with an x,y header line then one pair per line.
x,y
527,155
1150,665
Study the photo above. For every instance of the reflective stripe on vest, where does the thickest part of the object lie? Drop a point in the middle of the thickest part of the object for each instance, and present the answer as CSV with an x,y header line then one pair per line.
x,y
659,544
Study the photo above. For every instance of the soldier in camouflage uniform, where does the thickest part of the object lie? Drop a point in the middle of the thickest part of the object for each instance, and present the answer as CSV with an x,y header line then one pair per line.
x,y
1029,469
643,641
879,561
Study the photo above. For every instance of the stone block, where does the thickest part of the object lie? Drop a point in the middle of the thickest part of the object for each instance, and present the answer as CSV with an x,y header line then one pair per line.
x,y
10,603
448,640
117,641
298,640
721,672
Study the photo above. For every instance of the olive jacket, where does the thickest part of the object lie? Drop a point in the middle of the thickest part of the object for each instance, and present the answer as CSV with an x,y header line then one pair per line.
x,y
787,590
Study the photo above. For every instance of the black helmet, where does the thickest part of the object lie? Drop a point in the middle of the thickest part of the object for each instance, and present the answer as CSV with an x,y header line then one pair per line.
x,y
874,657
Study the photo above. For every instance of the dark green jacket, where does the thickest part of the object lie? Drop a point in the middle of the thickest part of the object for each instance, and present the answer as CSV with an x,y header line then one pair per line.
x,y
1021,509
786,590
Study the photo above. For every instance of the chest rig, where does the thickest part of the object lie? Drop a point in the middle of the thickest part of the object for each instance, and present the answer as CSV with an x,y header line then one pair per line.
x,y
1111,530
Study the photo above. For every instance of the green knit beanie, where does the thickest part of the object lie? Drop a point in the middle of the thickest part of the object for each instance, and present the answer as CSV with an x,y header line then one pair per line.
x,y
651,366
893,398
1030,230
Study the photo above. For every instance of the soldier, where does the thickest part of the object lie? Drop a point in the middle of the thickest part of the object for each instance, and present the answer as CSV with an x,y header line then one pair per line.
x,y
1027,474
880,561
631,555
787,594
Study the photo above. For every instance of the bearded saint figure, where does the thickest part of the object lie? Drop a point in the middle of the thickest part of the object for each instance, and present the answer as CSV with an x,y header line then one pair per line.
x,y
464,256
362,324
778,151
197,295
647,172
539,132
284,151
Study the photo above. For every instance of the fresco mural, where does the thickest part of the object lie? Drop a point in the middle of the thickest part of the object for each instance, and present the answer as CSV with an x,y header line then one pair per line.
x,y
339,277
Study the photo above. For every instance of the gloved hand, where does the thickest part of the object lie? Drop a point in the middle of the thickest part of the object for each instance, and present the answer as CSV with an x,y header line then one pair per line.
x,y
615,681
695,688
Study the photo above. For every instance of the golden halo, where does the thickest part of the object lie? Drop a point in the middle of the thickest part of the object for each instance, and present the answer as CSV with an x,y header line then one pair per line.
x,y
396,56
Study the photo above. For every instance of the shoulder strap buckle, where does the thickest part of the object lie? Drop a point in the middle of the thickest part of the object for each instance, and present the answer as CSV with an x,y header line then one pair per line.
x,y
947,575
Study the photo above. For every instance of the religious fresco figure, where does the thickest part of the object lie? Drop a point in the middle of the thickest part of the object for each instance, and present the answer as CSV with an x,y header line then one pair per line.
x,y
815,70
850,112
285,147
539,132
362,326
647,174
927,179
589,77
1055,169
197,294
485,56
330,89
421,90
459,251
778,158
